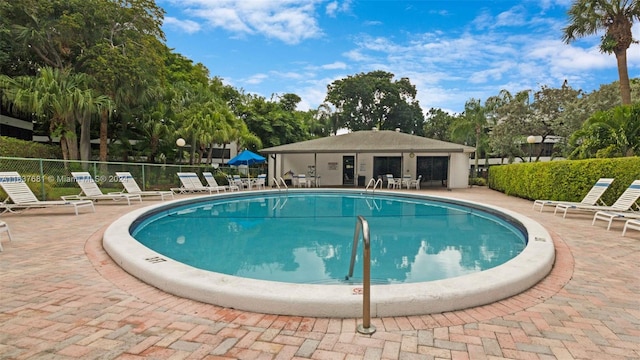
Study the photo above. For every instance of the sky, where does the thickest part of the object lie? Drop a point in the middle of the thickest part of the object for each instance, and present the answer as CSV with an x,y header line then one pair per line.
x,y
451,51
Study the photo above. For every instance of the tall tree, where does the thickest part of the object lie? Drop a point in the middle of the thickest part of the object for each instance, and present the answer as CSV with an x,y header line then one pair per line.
x,y
374,99
62,97
615,17
438,124
472,127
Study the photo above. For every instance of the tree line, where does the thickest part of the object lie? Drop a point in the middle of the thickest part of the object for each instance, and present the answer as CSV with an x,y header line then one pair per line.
x,y
83,69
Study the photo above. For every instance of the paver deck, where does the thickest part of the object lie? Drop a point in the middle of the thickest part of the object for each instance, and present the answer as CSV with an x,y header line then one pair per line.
x,y
62,297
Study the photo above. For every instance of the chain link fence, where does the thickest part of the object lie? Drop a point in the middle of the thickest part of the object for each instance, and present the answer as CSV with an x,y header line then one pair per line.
x,y
49,178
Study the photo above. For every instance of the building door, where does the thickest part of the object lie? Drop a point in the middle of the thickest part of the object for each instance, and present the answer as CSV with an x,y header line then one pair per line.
x,y
348,170
434,170
383,165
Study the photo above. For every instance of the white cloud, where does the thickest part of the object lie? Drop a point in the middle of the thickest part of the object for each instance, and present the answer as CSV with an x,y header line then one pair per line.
x,y
187,26
256,79
334,7
290,21
338,65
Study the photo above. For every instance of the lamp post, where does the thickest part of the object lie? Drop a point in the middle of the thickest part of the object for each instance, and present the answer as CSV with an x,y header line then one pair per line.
x,y
180,143
531,140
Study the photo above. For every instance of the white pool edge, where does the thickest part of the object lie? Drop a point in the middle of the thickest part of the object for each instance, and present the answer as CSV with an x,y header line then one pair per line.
x,y
508,279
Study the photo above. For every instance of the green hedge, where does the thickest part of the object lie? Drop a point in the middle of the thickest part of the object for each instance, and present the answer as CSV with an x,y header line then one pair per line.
x,y
12,147
566,180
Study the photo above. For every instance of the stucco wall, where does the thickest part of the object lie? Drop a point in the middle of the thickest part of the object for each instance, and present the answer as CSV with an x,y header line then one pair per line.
x,y
329,167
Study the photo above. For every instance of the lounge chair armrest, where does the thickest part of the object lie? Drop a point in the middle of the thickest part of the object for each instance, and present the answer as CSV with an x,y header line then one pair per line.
x,y
70,197
115,193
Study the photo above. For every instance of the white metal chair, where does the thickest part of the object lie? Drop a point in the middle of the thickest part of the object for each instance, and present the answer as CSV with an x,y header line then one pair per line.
x,y
91,191
212,183
21,197
593,197
131,186
191,184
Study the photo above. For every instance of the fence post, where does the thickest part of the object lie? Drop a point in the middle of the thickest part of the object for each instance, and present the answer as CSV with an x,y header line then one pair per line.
x,y
44,196
144,179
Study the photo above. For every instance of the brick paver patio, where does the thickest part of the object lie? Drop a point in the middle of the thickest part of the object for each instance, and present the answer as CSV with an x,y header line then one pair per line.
x,y
61,297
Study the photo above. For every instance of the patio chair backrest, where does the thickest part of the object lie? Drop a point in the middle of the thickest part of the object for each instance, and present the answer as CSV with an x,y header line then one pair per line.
x,y
16,188
86,183
211,180
128,182
596,191
628,198
190,180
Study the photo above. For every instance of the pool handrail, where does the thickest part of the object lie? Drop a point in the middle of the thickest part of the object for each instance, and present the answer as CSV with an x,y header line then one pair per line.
x,y
375,184
362,224
279,181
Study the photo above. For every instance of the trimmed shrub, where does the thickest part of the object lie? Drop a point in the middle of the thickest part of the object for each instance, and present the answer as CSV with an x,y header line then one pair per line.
x,y
12,147
566,180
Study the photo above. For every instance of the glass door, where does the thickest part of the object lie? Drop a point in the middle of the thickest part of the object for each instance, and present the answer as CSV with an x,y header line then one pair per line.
x,y
348,170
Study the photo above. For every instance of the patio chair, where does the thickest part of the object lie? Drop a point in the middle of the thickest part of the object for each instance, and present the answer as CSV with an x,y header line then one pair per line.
x,y
302,181
212,183
236,180
91,191
625,203
4,228
261,181
22,197
593,197
392,183
631,224
131,186
415,183
191,184
406,180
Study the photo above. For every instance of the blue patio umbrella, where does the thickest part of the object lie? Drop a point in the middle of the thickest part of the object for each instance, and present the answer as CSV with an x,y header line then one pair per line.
x,y
247,157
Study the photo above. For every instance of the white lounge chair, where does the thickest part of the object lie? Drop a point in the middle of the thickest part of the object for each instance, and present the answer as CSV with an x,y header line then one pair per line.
x,y
212,183
631,224
593,197
4,228
91,191
624,203
191,184
22,197
131,186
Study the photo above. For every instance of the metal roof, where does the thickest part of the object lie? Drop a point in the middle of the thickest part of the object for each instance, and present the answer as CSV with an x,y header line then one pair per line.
x,y
378,141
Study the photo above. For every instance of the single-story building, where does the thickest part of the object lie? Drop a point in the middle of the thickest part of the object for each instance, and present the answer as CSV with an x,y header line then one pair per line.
x,y
353,159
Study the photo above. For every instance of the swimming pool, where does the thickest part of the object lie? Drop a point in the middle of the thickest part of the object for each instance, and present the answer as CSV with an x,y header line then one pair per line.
x,y
331,297
306,237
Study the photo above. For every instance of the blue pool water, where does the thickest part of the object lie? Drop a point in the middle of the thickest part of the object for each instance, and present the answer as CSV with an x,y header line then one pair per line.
x,y
301,237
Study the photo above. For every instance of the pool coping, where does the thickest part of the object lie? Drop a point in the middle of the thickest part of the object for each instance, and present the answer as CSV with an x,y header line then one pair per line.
x,y
511,278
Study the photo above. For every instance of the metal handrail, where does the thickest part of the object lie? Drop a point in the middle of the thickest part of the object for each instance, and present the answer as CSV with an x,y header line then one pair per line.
x,y
363,225
280,180
375,184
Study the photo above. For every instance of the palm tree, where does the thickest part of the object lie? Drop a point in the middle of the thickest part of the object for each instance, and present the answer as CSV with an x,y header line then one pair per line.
x,y
62,97
611,133
616,18
472,125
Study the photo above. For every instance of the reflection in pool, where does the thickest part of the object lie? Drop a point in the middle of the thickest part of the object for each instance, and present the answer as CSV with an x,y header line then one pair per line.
x,y
307,237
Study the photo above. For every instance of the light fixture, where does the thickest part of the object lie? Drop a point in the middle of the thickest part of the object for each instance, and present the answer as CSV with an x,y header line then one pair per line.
x,y
531,140
180,142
